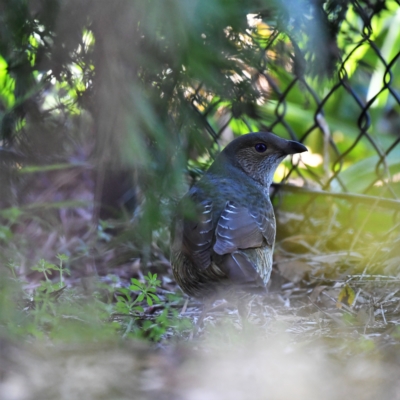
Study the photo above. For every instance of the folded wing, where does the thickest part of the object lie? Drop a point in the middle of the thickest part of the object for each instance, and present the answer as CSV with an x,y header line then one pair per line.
x,y
196,235
240,228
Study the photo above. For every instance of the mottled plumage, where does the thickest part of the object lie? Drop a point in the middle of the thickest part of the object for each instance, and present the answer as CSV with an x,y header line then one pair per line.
x,y
224,232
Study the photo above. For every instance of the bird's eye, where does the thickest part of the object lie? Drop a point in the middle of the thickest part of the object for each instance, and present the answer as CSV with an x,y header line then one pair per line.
x,y
260,147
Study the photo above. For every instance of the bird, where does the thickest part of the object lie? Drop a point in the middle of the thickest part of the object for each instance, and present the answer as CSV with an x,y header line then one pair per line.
x,y
223,232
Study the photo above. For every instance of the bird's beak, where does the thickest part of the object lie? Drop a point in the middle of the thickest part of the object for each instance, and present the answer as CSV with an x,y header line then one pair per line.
x,y
293,147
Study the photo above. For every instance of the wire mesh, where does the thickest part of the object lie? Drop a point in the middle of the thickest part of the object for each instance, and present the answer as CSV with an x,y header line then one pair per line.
x,y
350,122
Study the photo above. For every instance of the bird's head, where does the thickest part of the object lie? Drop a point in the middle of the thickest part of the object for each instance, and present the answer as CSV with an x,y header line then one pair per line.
x,y
258,154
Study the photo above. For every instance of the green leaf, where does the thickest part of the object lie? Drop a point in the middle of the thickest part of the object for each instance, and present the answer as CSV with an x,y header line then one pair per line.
x,y
5,233
121,299
124,291
140,297
12,214
136,282
154,297
44,168
362,174
62,257
121,308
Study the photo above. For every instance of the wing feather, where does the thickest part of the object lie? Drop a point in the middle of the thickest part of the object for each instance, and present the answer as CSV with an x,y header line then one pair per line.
x,y
197,235
238,228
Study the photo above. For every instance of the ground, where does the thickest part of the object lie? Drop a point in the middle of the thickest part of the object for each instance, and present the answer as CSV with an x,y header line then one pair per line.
x,y
87,314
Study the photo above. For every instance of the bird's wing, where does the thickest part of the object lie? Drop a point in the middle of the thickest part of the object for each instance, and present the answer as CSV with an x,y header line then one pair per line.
x,y
240,228
197,235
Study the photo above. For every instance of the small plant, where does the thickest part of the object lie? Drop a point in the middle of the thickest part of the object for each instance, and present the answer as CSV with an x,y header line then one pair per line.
x,y
56,312
151,324
52,310
147,291
168,319
47,268
43,301
127,305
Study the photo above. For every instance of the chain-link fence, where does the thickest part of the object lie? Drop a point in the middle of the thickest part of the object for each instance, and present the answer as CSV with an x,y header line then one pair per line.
x,y
350,122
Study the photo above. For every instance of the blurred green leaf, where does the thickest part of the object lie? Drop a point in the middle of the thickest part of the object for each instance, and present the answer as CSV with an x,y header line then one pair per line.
x,y
359,175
